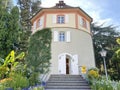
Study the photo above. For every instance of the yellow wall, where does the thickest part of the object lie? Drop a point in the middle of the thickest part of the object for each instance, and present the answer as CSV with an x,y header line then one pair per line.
x,y
71,22
81,27
73,19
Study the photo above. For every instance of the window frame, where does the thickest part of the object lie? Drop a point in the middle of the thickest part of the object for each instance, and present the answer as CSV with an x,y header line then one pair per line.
x,y
84,23
61,36
60,19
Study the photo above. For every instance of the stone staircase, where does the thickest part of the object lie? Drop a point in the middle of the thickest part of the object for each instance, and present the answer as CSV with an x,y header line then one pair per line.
x,y
67,82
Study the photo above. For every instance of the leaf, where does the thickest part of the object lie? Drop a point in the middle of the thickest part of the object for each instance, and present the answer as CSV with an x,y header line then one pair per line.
x,y
1,61
118,40
20,56
15,64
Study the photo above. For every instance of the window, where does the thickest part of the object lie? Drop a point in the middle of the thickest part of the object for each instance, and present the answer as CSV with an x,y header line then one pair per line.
x,y
62,36
61,19
34,25
40,21
84,23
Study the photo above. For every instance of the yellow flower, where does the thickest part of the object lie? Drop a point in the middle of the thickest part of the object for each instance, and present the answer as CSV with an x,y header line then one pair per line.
x,y
93,73
83,69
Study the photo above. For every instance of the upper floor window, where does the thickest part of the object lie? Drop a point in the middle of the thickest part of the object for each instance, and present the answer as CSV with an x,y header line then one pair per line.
x,y
60,19
34,25
84,23
40,22
62,36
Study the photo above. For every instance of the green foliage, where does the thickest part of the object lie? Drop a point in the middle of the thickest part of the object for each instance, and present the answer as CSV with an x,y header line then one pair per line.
x,y
1,61
105,36
105,85
39,51
10,64
33,79
28,8
17,81
115,63
35,6
2,87
9,30
38,88
92,75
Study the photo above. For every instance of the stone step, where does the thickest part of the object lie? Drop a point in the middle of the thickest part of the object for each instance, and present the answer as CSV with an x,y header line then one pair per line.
x,y
66,79
83,81
66,84
67,87
71,76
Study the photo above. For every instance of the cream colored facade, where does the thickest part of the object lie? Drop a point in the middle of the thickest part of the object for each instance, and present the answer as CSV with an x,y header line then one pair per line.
x,y
77,48
80,44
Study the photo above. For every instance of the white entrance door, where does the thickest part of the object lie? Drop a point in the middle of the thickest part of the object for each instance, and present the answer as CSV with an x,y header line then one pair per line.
x,y
74,65
62,64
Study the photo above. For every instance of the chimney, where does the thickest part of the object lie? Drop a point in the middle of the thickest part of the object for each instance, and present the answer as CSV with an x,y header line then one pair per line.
x,y
61,4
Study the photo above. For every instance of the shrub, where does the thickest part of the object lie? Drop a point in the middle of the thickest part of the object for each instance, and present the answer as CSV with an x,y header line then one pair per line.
x,y
93,73
18,81
105,85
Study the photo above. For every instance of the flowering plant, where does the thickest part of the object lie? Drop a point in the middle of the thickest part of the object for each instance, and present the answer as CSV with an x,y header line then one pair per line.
x,y
93,73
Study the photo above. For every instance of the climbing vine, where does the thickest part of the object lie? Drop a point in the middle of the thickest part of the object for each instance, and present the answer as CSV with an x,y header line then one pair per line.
x,y
39,51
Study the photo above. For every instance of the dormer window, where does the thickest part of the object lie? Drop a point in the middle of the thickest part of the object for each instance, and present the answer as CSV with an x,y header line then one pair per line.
x,y
60,19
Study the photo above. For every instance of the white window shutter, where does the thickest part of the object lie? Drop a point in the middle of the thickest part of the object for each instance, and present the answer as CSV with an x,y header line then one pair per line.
x,y
68,38
66,18
34,25
56,36
81,21
88,24
54,18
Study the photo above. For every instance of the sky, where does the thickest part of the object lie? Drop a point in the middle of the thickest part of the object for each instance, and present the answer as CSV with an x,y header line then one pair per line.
x,y
105,12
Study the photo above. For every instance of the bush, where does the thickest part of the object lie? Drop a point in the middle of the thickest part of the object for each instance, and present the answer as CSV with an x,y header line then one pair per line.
x,y
93,74
15,81
105,85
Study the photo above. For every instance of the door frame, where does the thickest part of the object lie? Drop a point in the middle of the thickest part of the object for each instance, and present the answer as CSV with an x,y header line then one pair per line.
x,y
71,60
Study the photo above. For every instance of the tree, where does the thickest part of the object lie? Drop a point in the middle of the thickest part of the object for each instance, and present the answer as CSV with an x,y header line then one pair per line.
x,y
25,13
105,37
9,29
36,6
28,9
115,63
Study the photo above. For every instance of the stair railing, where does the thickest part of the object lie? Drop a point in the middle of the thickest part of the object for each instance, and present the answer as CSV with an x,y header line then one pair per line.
x,y
44,77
